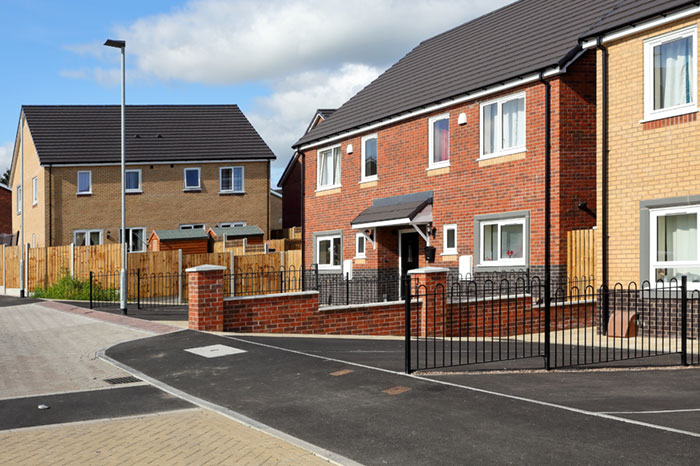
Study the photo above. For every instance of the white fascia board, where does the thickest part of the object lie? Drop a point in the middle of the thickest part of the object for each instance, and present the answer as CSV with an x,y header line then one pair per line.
x,y
383,223
643,26
184,162
434,108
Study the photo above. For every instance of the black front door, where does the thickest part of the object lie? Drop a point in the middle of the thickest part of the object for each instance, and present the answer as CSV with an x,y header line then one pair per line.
x,y
409,252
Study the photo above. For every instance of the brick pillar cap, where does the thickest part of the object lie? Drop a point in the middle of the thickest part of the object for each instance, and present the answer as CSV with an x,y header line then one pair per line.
x,y
428,270
205,268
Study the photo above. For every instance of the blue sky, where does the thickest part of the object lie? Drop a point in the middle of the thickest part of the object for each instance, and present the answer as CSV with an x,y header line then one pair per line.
x,y
278,60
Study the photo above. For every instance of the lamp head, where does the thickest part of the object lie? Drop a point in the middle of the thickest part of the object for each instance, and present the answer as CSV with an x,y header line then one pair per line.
x,y
120,44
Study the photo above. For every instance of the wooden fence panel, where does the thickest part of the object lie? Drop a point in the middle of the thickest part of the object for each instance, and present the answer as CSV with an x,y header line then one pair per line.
x,y
104,258
580,262
12,258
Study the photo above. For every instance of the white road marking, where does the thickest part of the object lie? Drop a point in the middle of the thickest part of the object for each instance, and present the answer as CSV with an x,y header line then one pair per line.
x,y
481,390
661,411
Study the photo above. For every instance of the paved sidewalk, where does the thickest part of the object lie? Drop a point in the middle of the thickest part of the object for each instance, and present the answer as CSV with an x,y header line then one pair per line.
x,y
195,436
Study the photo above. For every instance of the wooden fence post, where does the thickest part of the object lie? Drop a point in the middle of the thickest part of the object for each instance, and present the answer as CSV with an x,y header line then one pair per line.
x,y
232,282
72,260
179,276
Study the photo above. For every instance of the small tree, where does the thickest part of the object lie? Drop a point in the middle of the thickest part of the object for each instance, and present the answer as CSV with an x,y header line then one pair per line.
x,y
5,178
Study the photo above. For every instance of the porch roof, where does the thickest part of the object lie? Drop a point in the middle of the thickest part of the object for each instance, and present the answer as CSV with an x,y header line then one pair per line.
x,y
397,210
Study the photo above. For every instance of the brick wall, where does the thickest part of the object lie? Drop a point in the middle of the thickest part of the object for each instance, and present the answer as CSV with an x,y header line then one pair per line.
x,y
470,187
5,210
646,161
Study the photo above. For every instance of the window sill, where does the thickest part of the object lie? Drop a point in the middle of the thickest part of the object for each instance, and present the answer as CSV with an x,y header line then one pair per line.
x,y
449,253
329,188
516,150
326,192
192,190
438,166
669,114
133,191
369,179
228,193
367,183
85,194
434,171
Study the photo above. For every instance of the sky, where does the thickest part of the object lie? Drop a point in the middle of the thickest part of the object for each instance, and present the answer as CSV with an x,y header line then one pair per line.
x,y
278,60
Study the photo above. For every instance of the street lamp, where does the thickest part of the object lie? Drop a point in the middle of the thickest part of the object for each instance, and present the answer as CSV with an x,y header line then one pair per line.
x,y
121,44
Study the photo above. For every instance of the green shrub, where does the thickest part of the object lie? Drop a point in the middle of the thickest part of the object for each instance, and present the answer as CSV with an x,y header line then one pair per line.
x,y
73,288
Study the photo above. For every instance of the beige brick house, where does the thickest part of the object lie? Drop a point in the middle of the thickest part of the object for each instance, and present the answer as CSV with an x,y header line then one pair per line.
x,y
187,167
647,123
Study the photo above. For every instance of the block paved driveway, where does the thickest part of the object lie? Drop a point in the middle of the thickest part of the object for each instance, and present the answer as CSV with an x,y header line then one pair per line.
x,y
349,396
49,356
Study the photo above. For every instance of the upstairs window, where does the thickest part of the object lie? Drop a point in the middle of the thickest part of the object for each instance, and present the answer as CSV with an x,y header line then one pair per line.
x,y
85,182
231,179
439,141
329,168
192,179
133,181
369,158
19,200
35,190
670,74
503,126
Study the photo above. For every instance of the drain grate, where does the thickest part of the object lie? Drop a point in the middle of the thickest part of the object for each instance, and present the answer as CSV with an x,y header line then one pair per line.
x,y
120,380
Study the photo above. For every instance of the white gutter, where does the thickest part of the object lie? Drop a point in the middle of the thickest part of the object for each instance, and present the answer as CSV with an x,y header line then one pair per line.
x,y
433,108
643,26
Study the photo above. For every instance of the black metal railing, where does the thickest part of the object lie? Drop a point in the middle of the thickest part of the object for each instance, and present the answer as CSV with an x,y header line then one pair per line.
x,y
492,322
144,290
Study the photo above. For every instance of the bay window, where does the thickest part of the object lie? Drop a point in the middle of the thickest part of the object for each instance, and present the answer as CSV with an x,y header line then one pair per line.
x,y
503,126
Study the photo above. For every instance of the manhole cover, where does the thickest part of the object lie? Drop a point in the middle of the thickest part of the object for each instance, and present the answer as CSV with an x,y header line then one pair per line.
x,y
120,380
214,351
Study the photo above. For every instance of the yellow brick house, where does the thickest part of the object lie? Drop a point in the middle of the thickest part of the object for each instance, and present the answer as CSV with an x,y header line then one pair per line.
x,y
648,156
187,166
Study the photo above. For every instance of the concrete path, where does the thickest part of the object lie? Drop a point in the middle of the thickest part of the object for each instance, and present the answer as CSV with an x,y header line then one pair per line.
x,y
48,356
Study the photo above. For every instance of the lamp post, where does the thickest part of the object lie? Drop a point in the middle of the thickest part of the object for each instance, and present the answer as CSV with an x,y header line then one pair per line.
x,y
120,44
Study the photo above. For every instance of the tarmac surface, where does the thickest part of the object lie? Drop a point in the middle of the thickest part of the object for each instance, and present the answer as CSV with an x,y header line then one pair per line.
x,y
350,397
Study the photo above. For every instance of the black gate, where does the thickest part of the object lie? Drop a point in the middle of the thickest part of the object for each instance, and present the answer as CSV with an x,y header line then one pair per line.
x,y
470,322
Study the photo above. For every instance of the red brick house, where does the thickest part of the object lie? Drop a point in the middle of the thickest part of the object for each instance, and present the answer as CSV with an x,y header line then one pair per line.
x,y
290,181
449,146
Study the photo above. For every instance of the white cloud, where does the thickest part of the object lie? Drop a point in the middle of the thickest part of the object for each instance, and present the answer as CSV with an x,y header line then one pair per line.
x,y
232,41
282,117
6,156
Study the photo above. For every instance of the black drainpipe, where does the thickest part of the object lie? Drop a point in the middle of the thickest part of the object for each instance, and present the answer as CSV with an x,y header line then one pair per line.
x,y
547,217
303,220
604,184
50,205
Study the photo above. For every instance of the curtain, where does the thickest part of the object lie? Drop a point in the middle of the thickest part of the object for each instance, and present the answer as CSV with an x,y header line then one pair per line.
x,y
672,85
677,238
441,140
489,136
513,123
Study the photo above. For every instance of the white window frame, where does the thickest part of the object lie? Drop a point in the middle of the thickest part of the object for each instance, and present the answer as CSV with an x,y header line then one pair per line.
x,y
360,238
500,152
318,250
233,186
364,177
89,191
35,190
87,236
231,224
199,179
649,113
431,121
192,226
129,246
654,263
319,186
446,251
521,261
19,199
140,188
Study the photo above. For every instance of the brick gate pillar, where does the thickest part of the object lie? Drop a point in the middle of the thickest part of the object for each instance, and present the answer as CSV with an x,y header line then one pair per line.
x,y
429,296
206,297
